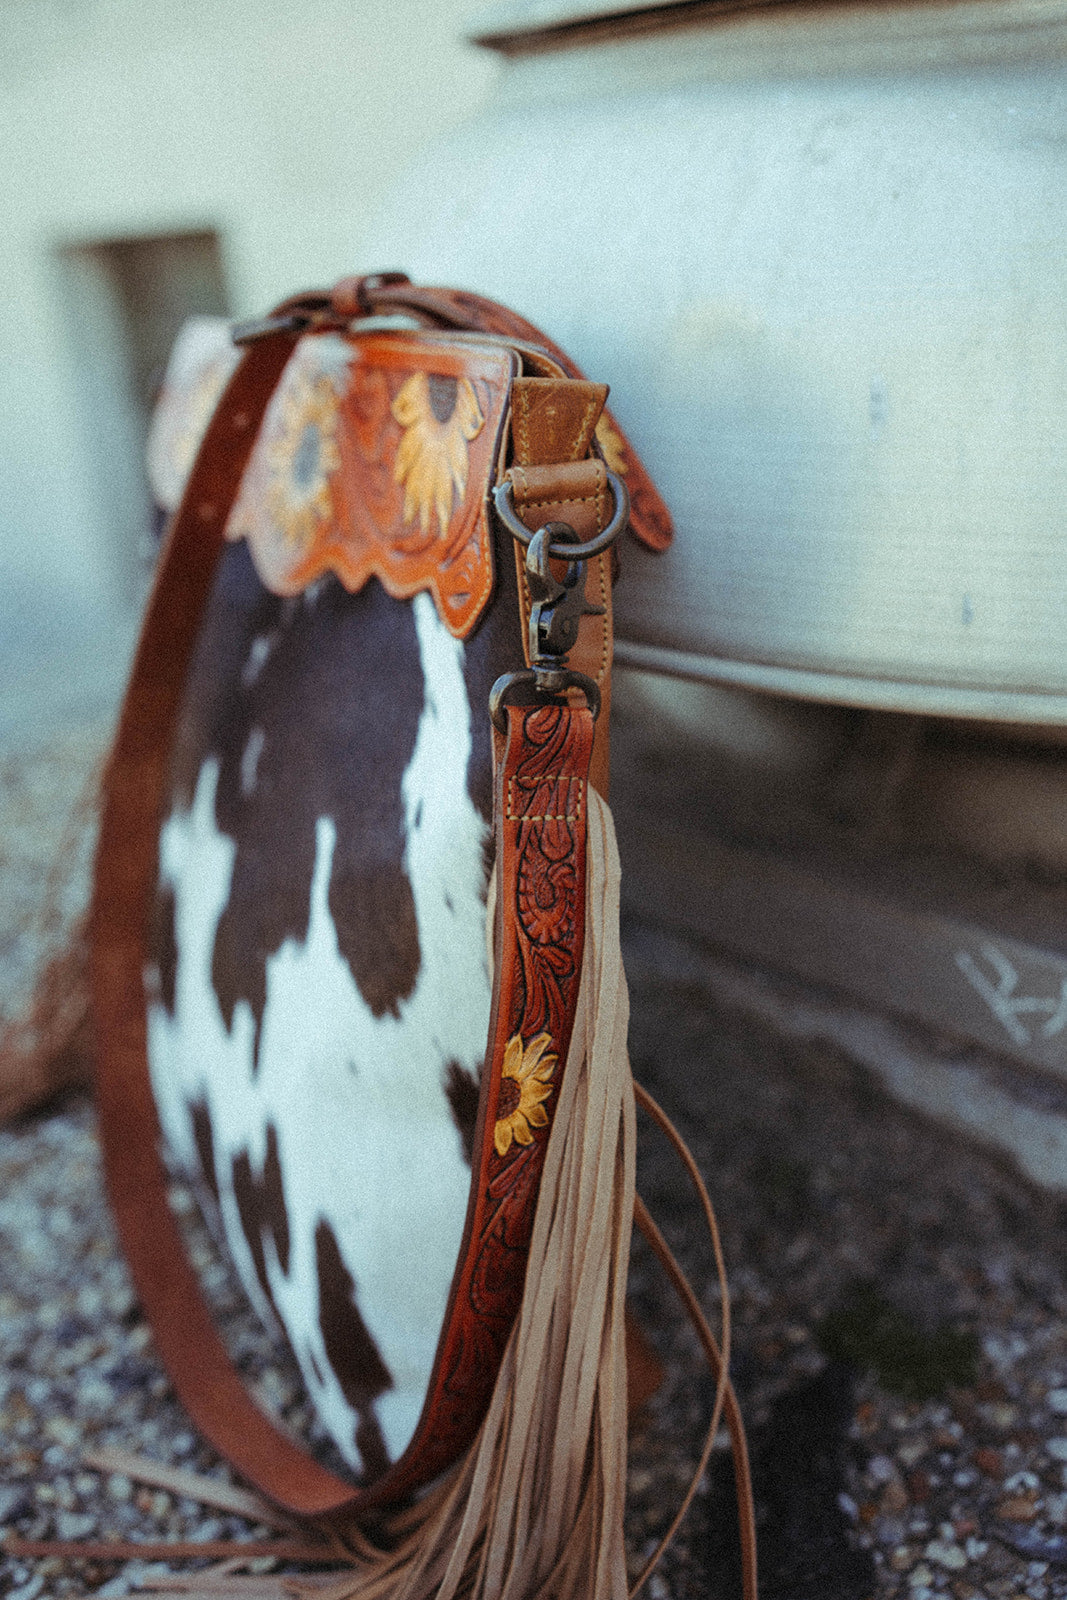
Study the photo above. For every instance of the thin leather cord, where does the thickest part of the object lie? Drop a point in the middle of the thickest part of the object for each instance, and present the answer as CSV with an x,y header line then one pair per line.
x,y
746,1511
196,1486
648,1105
122,1550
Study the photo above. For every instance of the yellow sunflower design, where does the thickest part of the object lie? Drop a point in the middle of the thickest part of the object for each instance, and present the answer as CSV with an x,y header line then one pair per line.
x,y
525,1083
439,416
610,441
302,458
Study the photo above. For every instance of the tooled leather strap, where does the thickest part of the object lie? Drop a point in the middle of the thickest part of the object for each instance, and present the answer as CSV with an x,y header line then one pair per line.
x,y
541,776
540,808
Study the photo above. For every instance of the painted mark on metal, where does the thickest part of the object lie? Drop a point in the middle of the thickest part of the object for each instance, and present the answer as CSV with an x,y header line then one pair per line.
x,y
1000,992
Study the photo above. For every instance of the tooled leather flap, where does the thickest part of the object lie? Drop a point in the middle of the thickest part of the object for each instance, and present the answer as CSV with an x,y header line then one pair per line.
x,y
375,458
650,521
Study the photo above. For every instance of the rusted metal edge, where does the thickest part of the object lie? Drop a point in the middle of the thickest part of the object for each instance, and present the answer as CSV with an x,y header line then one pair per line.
x,y
628,22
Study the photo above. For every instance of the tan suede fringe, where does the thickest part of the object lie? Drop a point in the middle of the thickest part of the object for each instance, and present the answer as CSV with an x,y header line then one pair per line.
x,y
534,1510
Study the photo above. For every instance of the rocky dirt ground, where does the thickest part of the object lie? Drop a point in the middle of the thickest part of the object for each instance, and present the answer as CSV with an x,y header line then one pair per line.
x,y
900,1307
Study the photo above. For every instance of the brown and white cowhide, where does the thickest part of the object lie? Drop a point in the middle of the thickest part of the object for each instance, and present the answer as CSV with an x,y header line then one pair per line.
x,y
318,994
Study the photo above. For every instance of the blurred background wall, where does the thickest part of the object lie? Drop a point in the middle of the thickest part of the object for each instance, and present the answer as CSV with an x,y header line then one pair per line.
x,y
159,160
884,869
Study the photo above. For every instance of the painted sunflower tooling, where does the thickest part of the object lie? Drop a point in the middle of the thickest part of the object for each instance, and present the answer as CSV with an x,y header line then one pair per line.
x,y
526,1082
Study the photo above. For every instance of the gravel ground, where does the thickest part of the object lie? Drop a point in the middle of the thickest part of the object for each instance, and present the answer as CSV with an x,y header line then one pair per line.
x,y
899,1304
45,798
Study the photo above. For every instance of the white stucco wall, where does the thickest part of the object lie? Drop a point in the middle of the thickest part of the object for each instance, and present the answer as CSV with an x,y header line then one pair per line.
x,y
276,125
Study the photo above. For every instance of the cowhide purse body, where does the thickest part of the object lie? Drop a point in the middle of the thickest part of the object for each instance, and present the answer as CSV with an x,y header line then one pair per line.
x,y
291,973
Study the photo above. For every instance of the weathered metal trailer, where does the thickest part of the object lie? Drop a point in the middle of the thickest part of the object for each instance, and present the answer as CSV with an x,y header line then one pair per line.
x,y
822,249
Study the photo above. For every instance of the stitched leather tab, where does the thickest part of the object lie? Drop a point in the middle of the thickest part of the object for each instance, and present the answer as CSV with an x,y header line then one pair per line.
x,y
553,419
375,459
562,491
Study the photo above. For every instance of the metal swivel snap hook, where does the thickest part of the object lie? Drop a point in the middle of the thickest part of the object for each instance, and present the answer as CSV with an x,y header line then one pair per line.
x,y
557,608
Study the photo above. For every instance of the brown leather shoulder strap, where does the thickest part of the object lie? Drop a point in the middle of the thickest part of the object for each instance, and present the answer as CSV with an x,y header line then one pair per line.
x,y
126,863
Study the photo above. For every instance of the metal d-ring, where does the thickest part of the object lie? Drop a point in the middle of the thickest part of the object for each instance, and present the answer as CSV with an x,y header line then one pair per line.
x,y
505,509
543,680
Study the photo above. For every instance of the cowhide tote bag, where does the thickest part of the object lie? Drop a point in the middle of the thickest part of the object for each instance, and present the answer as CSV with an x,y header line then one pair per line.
x,y
367,721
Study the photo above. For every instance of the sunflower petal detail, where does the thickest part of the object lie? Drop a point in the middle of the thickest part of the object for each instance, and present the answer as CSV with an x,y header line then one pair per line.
x,y
302,460
531,1069
432,459
502,1136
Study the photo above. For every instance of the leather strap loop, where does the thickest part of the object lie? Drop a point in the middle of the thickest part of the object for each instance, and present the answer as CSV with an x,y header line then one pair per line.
x,y
353,297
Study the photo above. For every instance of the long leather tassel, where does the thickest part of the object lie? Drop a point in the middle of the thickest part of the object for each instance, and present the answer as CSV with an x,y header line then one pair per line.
x,y
535,1509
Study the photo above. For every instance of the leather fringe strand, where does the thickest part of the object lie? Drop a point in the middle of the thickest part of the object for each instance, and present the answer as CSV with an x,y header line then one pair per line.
x,y
535,1508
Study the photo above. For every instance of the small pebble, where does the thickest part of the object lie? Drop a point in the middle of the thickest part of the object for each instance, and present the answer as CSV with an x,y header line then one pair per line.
x,y
846,1504
880,1470
919,1486
1056,1507
945,1554
71,1525
894,1498
15,1501
63,1430
999,1415
1019,1508
1057,1401
27,1591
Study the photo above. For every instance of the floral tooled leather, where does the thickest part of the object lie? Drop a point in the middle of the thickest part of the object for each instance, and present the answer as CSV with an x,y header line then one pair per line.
x,y
541,809
375,459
